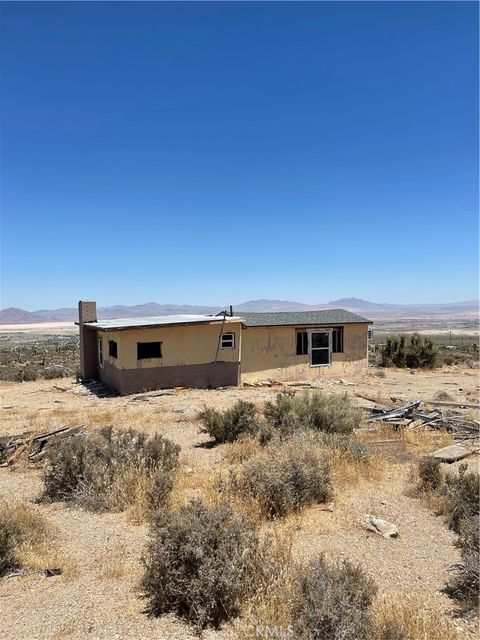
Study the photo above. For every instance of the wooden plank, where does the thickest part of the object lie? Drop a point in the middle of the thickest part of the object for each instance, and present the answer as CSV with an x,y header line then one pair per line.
x,y
401,412
465,405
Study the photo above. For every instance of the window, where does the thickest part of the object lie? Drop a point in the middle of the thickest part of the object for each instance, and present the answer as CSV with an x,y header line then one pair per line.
x,y
337,340
228,341
149,350
100,352
302,343
112,349
320,348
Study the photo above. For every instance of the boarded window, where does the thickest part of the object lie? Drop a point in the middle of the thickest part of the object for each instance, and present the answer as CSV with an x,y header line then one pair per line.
x,y
302,343
228,341
337,340
112,349
149,350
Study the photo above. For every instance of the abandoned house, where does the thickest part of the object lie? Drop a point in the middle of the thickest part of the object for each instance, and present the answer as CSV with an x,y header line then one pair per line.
x,y
136,354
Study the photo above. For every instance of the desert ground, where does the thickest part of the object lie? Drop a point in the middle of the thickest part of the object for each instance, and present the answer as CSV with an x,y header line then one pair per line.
x,y
97,595
44,328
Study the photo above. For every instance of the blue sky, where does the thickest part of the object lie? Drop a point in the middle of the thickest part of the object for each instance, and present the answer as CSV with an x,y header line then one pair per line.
x,y
218,152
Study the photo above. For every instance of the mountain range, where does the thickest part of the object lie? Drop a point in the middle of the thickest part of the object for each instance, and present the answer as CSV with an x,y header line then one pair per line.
x,y
373,310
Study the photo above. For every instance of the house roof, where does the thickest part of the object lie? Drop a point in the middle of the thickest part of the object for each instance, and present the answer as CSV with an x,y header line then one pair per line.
x,y
156,321
274,319
285,318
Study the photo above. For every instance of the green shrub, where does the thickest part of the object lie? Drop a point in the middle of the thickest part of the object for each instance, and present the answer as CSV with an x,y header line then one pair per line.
x,y
420,352
110,470
464,587
380,373
429,474
201,563
331,602
284,477
228,425
25,375
316,410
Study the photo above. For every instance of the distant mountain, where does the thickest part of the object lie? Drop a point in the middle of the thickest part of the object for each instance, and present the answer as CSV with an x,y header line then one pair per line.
x,y
271,305
358,303
13,315
372,310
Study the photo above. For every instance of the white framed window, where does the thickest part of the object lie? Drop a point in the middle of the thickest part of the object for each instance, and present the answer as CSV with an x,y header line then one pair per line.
x,y
320,347
100,352
228,341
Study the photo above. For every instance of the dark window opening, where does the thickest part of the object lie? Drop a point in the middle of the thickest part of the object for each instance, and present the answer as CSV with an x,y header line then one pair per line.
x,y
149,350
320,356
337,340
112,349
302,343
228,341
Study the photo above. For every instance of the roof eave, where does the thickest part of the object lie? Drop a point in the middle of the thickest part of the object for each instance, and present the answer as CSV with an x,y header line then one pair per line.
x,y
155,326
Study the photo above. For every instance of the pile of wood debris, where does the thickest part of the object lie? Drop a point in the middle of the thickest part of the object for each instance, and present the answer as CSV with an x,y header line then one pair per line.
x,y
413,417
88,388
33,447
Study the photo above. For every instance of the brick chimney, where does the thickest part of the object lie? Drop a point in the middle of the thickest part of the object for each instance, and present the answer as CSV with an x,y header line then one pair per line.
x,y
87,312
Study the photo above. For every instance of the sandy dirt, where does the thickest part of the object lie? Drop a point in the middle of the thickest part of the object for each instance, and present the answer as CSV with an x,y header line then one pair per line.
x,y
98,594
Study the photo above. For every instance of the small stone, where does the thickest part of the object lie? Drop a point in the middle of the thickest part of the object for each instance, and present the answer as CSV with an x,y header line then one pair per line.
x,y
379,525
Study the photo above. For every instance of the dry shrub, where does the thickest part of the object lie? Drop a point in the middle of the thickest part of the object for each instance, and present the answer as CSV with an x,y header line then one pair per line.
x,y
284,477
430,476
318,600
350,460
315,410
24,536
462,498
409,617
332,601
111,470
229,425
202,563
458,499
465,585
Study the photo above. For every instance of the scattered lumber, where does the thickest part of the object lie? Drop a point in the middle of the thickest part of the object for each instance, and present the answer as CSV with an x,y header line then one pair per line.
x,y
402,412
412,417
35,447
442,403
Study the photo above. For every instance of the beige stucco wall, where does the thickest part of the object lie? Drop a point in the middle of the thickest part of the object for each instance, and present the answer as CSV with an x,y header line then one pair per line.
x,y
181,345
270,352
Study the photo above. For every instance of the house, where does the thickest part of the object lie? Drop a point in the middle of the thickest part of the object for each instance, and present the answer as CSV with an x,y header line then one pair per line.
x,y
135,354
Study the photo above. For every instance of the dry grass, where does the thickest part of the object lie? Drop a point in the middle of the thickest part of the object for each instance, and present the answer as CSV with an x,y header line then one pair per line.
x,y
397,616
119,563
420,441
269,608
417,442
36,543
414,617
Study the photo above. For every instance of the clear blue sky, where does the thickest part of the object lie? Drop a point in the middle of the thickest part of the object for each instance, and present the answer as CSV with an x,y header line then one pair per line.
x,y
218,152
